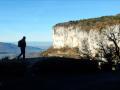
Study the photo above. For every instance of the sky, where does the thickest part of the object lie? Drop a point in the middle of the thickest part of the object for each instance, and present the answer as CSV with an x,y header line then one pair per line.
x,y
35,18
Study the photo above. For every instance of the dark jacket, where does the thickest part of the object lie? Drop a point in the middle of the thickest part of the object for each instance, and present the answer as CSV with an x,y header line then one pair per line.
x,y
22,43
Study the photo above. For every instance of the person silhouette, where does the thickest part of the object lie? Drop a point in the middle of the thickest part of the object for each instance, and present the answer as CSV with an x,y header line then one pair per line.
x,y
22,46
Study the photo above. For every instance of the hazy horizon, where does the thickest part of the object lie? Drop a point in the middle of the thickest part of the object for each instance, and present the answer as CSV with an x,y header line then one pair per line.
x,y
39,44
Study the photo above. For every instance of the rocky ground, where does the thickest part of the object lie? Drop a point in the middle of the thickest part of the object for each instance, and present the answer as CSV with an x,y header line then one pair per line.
x,y
56,74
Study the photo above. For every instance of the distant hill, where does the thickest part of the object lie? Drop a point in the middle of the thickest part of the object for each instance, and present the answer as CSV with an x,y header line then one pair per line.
x,y
12,48
43,45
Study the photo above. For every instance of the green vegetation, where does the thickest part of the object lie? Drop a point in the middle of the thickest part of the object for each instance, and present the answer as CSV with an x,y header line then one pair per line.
x,y
93,23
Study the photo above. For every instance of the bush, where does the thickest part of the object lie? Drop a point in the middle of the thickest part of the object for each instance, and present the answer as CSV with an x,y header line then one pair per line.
x,y
106,67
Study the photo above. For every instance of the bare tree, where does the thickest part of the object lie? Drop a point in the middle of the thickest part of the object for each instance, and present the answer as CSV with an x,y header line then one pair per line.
x,y
110,51
85,51
106,51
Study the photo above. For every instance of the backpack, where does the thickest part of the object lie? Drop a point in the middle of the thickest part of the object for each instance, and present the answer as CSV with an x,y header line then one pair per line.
x,y
19,43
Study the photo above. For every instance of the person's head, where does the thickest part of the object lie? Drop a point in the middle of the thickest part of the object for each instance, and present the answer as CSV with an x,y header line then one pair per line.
x,y
24,37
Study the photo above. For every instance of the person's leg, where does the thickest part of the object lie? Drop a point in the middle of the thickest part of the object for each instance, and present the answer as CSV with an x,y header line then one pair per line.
x,y
23,56
20,54
23,53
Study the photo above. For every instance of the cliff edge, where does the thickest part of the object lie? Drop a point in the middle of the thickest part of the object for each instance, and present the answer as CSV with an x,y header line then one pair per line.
x,y
86,35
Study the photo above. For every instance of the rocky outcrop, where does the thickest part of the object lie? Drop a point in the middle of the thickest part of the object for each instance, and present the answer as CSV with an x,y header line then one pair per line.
x,y
77,34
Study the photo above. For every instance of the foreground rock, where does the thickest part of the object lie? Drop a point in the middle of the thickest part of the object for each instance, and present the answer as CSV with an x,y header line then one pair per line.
x,y
55,73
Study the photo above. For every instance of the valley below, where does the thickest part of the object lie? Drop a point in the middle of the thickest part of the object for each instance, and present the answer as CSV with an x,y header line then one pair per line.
x,y
33,49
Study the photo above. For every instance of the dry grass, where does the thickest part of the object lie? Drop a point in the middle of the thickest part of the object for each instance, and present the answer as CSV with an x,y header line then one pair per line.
x,y
63,52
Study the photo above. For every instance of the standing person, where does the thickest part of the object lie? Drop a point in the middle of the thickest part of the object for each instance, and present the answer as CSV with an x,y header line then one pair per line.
x,y
22,46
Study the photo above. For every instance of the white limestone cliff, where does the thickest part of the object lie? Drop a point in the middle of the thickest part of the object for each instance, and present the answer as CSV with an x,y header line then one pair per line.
x,y
74,36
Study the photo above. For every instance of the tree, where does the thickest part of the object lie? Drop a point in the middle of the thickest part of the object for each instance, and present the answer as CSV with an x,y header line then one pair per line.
x,y
109,43
85,51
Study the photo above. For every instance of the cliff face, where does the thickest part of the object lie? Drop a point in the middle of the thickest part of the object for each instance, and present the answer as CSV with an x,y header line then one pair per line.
x,y
75,35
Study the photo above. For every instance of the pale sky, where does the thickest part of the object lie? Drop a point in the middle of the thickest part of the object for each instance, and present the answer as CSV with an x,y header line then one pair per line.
x,y
35,18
